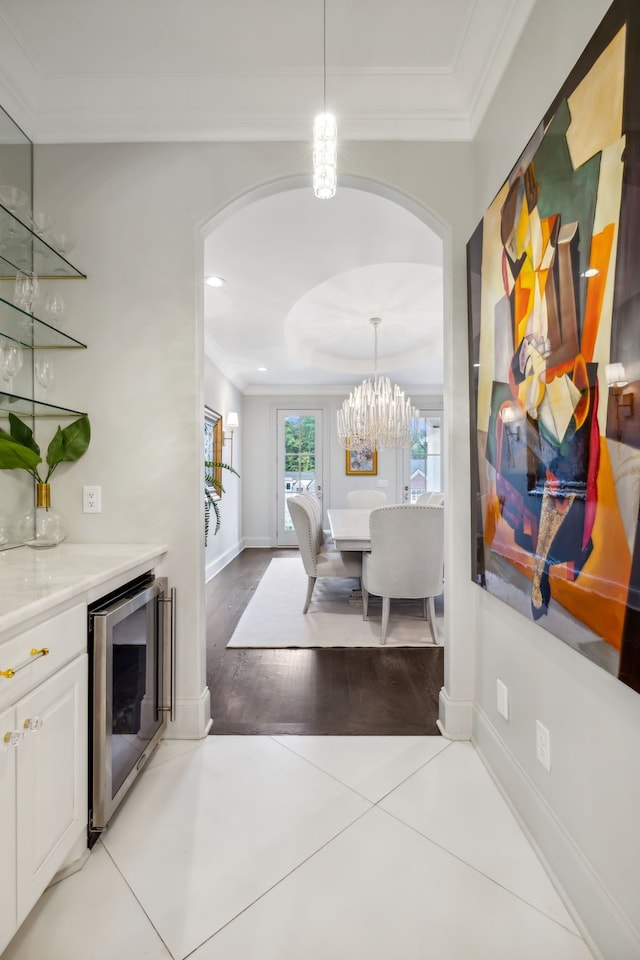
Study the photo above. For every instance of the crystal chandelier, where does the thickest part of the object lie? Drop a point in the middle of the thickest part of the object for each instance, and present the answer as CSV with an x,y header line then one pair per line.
x,y
377,414
325,134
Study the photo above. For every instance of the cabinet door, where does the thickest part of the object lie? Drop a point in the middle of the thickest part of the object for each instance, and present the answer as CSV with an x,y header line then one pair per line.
x,y
51,778
8,821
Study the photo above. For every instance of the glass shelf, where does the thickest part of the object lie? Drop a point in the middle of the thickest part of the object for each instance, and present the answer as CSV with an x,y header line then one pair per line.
x,y
31,332
22,250
25,407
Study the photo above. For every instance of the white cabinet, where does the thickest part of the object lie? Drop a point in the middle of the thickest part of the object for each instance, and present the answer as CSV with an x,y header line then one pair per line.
x,y
51,779
43,766
8,820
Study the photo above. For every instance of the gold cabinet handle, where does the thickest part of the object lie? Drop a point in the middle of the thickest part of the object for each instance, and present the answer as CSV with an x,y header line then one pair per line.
x,y
32,723
34,652
12,738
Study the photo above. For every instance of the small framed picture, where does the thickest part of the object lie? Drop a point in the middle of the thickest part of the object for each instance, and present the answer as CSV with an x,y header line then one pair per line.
x,y
363,461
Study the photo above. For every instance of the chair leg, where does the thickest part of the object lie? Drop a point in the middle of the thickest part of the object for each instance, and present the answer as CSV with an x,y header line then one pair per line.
x,y
432,619
386,604
365,601
311,582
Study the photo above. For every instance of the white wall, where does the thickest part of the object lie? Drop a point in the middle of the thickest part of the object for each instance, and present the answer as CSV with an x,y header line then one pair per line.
x,y
137,211
583,815
259,488
222,396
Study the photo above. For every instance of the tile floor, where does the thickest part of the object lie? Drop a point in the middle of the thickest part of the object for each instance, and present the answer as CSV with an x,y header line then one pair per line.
x,y
307,848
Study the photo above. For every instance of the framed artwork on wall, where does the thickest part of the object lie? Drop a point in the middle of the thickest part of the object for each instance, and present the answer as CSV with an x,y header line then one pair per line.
x,y
554,308
361,462
213,440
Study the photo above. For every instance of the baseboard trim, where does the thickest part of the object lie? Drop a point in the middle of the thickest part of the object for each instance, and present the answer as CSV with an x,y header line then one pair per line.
x,y
262,543
193,718
215,566
607,930
456,717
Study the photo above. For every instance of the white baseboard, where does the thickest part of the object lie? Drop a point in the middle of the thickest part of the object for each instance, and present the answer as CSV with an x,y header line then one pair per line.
x,y
607,930
262,543
192,718
215,566
456,717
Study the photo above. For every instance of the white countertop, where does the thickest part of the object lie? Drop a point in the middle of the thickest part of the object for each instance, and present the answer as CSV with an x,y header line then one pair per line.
x,y
33,582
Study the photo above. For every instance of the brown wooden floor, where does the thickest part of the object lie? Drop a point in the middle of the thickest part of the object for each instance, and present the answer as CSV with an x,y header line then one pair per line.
x,y
312,692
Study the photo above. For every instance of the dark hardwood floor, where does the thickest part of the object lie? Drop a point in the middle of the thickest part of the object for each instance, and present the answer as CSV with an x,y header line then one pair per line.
x,y
368,691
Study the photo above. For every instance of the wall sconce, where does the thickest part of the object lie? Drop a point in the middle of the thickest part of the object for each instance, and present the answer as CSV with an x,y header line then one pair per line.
x,y
231,424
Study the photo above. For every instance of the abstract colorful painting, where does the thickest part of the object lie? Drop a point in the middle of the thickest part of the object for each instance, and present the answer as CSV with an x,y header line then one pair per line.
x,y
554,313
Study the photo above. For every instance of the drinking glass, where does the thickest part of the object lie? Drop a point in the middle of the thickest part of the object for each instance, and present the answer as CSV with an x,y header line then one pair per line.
x,y
53,307
12,197
63,243
44,372
10,361
42,223
26,291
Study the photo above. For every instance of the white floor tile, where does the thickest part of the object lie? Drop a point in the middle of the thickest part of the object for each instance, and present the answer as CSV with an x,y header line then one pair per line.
x,y
169,749
381,891
201,836
92,915
454,802
372,766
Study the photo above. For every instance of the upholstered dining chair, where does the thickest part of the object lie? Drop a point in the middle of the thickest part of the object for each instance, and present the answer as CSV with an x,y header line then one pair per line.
x,y
406,559
325,540
318,563
365,499
431,496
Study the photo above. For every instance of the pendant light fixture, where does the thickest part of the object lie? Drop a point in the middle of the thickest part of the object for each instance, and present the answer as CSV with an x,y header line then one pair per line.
x,y
377,414
325,134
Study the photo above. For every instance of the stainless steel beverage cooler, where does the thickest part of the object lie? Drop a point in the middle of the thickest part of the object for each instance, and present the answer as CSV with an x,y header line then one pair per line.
x,y
131,658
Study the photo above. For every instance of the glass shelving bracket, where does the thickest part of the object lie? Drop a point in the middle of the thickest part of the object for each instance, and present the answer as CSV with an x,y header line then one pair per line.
x,y
26,407
22,250
32,332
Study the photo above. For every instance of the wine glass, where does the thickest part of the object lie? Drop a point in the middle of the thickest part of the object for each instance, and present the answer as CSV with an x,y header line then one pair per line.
x,y
63,242
10,361
42,223
12,197
44,372
26,291
53,307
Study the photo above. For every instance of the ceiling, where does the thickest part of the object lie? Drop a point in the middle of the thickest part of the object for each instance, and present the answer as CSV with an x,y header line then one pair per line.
x,y
303,276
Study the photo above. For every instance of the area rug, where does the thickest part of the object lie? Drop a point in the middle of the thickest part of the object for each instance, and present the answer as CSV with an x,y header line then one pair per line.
x,y
274,618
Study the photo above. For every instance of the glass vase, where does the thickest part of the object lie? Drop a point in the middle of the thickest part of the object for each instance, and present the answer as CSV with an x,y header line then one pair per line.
x,y
42,526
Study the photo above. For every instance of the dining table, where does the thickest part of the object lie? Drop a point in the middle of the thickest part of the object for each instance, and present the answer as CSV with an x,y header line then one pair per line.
x,y
350,528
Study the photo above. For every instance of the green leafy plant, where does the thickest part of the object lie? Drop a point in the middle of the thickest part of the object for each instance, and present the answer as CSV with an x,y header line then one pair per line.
x,y
211,500
19,450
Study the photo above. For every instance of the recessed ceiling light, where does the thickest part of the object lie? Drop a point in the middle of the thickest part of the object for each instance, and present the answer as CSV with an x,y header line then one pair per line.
x,y
215,281
262,369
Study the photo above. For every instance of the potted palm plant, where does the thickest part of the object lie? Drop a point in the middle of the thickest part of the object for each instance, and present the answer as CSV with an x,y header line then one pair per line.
x,y
213,490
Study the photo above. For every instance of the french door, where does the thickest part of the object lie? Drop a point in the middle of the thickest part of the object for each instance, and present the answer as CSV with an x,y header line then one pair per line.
x,y
422,467
299,464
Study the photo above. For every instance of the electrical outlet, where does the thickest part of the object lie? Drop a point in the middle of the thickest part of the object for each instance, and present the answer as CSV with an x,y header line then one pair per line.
x,y
502,699
92,499
543,746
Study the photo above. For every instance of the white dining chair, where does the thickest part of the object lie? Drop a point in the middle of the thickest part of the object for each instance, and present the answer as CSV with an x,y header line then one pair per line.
x,y
365,499
325,540
431,496
318,563
406,559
